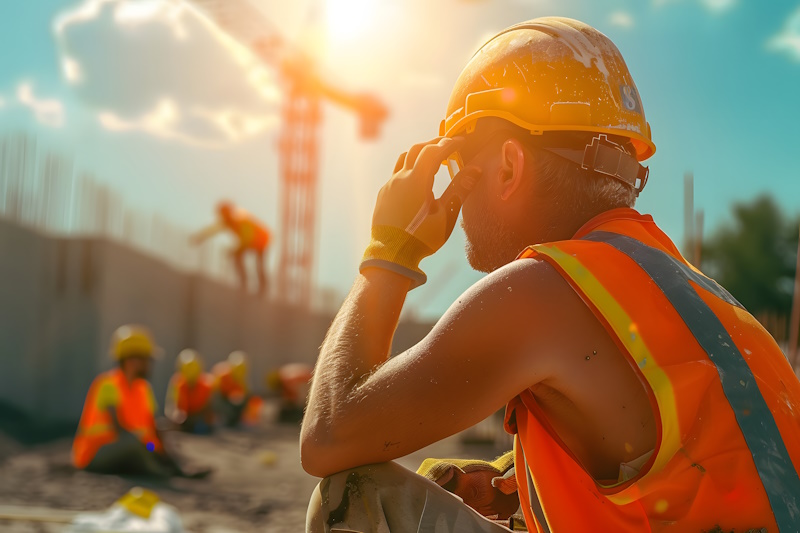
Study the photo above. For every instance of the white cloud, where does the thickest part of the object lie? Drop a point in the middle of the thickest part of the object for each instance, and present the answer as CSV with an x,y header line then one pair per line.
x,y
788,40
160,68
714,6
163,122
622,19
49,112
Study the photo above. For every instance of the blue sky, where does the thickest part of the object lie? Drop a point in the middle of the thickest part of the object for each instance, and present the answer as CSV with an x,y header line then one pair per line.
x,y
719,81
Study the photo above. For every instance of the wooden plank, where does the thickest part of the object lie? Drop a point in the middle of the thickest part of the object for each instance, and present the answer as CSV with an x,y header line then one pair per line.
x,y
24,513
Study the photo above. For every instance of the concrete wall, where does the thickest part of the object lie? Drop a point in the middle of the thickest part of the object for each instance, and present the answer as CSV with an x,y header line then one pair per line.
x,y
60,300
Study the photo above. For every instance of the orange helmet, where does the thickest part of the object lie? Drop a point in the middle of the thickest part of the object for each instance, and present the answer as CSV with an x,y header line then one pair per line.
x,y
554,74
225,209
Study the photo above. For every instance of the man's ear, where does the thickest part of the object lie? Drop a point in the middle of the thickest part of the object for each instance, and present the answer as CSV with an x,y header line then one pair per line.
x,y
512,167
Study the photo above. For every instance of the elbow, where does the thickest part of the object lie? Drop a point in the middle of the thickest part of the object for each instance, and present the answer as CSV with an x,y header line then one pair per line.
x,y
321,452
311,460
315,452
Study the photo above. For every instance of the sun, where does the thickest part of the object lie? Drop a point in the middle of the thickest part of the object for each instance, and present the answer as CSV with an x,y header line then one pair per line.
x,y
349,19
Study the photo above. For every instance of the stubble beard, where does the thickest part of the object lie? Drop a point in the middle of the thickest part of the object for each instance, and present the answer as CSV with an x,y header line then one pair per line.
x,y
490,244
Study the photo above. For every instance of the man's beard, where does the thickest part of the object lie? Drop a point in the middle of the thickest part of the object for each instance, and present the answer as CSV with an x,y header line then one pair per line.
x,y
490,243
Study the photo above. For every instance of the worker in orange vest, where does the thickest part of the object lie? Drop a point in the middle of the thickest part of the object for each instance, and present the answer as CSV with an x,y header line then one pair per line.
x,y
235,403
117,431
291,381
252,237
642,396
189,394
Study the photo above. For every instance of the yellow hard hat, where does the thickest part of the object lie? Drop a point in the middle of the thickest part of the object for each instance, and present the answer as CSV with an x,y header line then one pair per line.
x,y
238,362
132,340
550,74
190,365
273,380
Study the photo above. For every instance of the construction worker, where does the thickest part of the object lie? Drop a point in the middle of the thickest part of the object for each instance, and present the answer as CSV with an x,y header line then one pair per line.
x,y
642,396
252,237
189,394
291,382
117,433
235,402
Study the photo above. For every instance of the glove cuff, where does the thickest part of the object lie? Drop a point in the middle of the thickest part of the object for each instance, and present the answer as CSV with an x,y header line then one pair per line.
x,y
398,251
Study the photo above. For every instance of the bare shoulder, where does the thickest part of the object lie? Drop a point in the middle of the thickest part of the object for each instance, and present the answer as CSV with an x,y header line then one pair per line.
x,y
519,314
519,284
522,291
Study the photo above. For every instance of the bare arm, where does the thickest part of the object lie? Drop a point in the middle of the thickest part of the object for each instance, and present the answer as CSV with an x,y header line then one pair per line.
x,y
206,233
366,408
171,409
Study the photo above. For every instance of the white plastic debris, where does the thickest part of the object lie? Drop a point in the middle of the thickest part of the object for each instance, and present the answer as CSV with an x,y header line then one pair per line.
x,y
139,510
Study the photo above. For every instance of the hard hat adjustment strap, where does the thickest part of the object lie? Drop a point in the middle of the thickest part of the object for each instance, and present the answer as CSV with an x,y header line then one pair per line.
x,y
607,158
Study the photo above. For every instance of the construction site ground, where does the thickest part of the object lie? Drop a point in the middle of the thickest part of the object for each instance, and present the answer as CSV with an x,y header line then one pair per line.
x,y
257,484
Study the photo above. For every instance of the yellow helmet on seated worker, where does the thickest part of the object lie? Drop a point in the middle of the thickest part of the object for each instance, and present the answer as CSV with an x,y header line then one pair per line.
x,y
550,74
238,365
273,380
132,340
190,365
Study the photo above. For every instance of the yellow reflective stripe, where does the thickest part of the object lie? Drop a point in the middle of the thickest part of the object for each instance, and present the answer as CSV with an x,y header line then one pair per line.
x,y
96,429
628,334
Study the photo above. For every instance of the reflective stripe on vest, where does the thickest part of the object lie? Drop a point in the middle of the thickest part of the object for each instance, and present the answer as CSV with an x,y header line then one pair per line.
x,y
627,332
775,468
95,429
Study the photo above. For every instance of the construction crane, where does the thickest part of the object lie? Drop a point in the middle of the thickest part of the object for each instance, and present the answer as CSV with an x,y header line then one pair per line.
x,y
303,90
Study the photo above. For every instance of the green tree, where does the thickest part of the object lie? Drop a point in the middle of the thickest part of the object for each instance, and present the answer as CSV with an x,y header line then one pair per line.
x,y
754,256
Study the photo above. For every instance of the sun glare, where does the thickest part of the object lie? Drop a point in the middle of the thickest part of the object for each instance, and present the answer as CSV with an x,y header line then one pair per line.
x,y
349,19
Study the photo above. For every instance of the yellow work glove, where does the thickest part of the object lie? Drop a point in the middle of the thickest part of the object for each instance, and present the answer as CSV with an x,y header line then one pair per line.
x,y
442,471
470,479
409,223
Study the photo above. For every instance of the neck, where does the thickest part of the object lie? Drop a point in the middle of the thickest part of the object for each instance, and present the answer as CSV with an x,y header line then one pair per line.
x,y
130,376
560,224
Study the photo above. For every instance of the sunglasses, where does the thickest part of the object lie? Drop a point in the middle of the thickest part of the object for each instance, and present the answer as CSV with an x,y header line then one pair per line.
x,y
601,155
455,162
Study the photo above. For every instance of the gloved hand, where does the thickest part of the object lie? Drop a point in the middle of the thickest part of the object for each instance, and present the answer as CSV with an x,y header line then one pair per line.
x,y
488,487
408,223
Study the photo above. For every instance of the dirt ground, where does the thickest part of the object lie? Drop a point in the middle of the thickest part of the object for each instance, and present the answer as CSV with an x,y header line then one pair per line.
x,y
246,493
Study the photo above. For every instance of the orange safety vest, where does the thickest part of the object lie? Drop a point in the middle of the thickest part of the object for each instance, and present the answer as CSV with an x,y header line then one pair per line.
x,y
295,378
251,233
134,409
226,384
725,400
191,398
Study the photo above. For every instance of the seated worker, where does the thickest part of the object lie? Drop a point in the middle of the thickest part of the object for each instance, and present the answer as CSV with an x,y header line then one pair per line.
x,y
642,395
189,395
291,381
235,403
252,237
117,433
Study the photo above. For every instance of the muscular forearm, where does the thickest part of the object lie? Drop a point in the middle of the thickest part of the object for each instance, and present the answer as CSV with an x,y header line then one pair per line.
x,y
206,233
358,341
341,427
